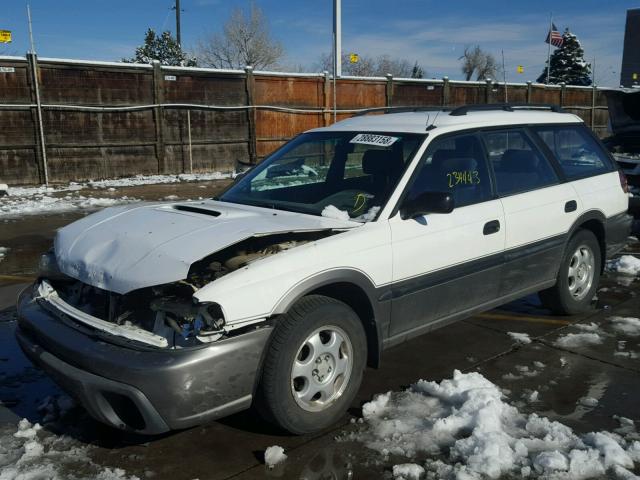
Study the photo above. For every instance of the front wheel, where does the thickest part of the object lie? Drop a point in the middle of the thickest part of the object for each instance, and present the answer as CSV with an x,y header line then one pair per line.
x,y
314,365
578,276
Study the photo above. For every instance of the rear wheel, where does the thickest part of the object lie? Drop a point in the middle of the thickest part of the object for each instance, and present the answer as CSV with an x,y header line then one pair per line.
x,y
314,365
578,276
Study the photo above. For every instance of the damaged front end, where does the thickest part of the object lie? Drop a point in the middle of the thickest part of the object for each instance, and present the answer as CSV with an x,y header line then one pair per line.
x,y
163,316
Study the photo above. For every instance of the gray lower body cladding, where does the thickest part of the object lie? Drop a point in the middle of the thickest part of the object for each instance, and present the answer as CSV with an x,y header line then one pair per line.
x,y
150,391
617,231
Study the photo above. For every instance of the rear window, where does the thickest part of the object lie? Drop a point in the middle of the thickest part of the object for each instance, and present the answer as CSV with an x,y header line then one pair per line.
x,y
578,153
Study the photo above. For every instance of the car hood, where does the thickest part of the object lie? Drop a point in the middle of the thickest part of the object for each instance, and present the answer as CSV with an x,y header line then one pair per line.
x,y
121,249
624,110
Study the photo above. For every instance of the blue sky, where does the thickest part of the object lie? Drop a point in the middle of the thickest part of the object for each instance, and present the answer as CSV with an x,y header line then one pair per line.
x,y
432,32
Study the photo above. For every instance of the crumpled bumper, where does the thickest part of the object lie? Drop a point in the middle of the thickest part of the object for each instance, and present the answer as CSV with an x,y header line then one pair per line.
x,y
148,391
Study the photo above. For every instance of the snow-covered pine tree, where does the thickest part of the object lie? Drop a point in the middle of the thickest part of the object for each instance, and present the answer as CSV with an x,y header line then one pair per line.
x,y
163,48
568,64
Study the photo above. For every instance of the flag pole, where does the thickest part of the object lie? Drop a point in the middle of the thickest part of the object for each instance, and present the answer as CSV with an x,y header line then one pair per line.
x,y
549,47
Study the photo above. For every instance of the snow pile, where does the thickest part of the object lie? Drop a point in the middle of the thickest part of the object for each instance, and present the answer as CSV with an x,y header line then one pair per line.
x,y
587,327
465,422
520,337
274,455
577,340
31,453
626,265
333,212
3,252
408,471
588,402
626,325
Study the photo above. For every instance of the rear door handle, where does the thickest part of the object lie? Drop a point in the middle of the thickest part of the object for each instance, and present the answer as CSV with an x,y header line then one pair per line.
x,y
570,206
491,227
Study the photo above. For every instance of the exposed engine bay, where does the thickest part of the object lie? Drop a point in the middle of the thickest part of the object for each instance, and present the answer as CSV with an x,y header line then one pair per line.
x,y
169,311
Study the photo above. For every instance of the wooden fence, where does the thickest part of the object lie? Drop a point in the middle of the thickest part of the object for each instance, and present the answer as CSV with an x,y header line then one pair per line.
x,y
102,120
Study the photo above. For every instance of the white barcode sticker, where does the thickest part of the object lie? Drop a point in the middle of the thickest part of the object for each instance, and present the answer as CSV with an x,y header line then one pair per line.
x,y
373,139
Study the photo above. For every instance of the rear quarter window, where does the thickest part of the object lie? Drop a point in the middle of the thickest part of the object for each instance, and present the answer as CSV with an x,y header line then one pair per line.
x,y
577,152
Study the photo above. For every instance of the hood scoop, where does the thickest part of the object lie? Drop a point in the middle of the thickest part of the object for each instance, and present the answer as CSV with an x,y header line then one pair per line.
x,y
194,209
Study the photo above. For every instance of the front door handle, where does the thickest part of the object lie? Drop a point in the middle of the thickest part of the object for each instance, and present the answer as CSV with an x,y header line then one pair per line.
x,y
491,227
570,206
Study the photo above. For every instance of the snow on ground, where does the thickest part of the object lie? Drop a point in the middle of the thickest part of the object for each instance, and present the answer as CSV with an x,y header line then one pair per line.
x,y
274,455
32,453
626,265
520,337
576,340
462,428
42,199
3,252
156,179
627,325
17,206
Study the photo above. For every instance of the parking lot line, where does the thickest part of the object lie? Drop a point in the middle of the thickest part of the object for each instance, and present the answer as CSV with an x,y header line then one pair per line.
x,y
523,318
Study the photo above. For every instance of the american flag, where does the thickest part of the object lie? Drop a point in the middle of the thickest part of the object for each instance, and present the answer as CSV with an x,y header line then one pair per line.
x,y
554,37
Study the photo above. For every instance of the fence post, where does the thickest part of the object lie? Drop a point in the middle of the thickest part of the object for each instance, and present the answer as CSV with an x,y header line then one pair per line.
x,y
36,113
563,91
487,94
190,143
158,116
389,90
594,90
326,99
446,91
529,91
251,113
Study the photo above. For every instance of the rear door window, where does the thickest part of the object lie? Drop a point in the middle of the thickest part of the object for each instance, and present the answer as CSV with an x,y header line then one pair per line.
x,y
578,153
454,164
517,163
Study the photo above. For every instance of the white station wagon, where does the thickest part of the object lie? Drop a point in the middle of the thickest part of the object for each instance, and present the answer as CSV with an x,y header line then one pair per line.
x,y
347,240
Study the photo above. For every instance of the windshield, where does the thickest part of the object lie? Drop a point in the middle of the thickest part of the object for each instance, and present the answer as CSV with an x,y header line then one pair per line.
x,y
344,175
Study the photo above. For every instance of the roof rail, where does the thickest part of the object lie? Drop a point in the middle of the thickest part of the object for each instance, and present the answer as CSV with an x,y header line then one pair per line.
x,y
386,110
507,107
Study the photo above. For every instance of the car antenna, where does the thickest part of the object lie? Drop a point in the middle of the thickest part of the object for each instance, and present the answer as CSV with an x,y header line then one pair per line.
x,y
432,125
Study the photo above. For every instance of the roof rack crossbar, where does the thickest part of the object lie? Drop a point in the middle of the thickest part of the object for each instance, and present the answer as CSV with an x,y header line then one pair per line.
x,y
507,107
386,110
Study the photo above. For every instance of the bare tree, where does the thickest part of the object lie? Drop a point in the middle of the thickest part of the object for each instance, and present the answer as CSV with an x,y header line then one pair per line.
x,y
367,66
476,61
245,40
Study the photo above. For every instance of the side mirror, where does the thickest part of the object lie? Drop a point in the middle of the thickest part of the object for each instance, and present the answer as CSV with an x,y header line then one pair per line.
x,y
427,202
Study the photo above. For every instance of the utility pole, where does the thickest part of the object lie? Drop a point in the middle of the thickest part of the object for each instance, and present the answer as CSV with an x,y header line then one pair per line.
x,y
337,50
504,77
33,60
177,8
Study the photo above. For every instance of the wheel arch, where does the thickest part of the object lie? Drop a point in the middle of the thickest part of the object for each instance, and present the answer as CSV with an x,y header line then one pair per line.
x,y
594,221
355,289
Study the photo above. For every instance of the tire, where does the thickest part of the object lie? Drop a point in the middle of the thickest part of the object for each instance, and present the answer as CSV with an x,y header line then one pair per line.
x,y
313,366
578,276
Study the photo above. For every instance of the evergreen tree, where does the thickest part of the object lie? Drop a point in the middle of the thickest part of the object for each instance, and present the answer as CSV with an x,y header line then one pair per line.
x,y
163,48
568,64
417,71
